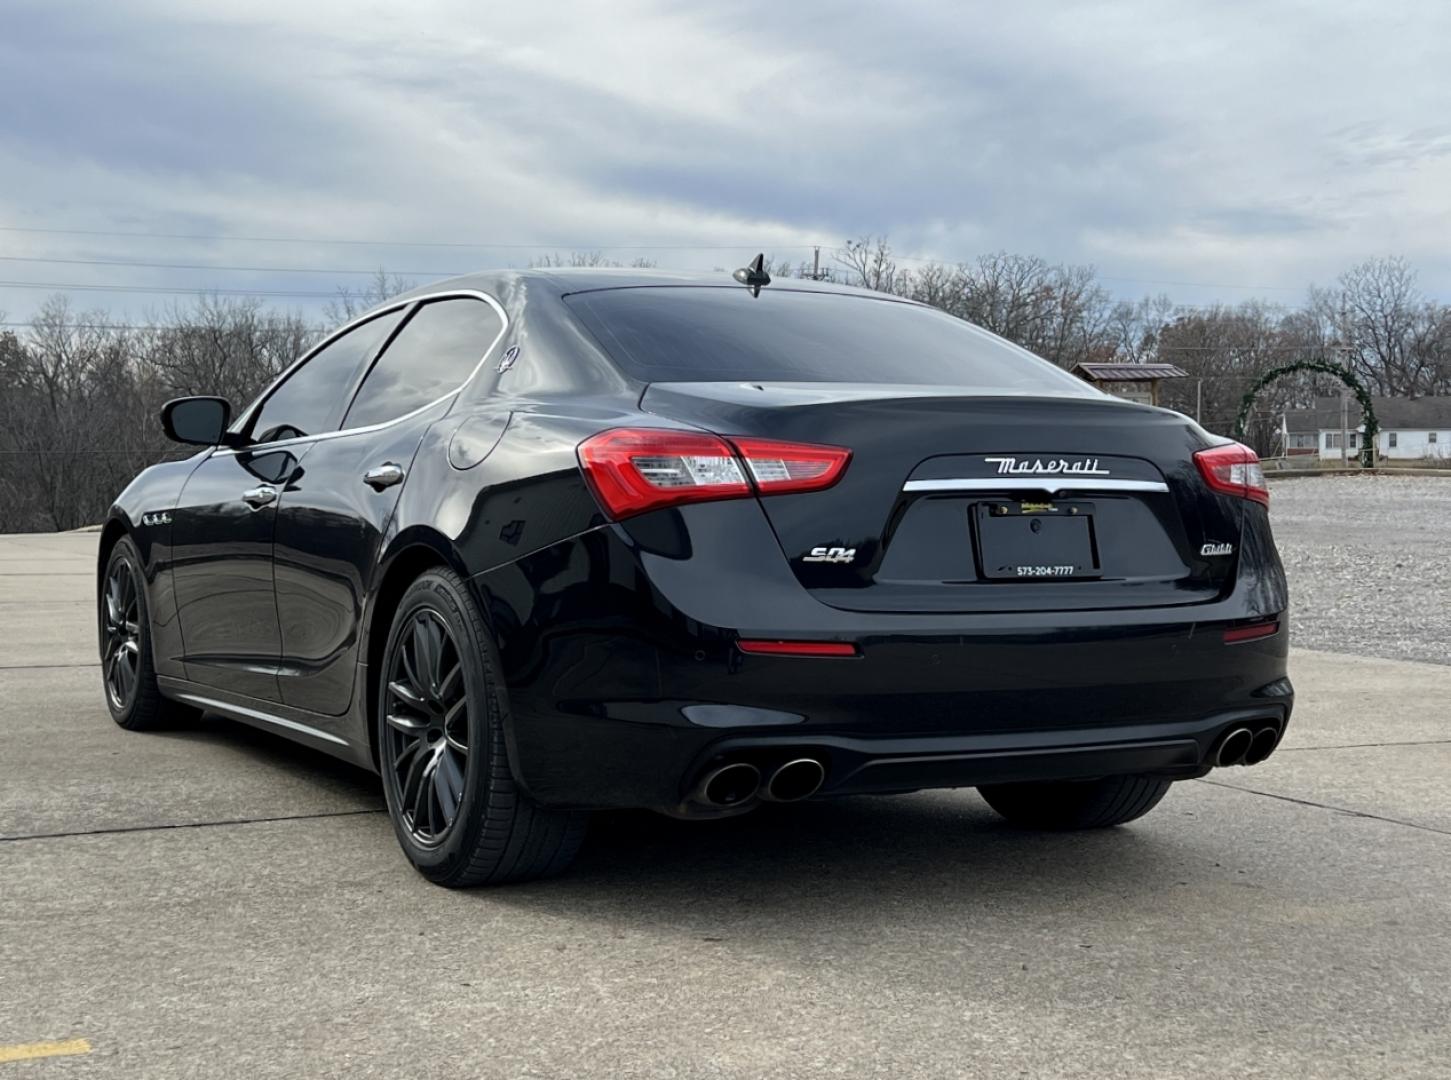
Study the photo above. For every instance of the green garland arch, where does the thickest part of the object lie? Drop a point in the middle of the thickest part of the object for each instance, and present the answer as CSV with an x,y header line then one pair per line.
x,y
1324,367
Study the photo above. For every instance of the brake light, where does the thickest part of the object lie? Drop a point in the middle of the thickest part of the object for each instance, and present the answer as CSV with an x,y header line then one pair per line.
x,y
1234,469
632,470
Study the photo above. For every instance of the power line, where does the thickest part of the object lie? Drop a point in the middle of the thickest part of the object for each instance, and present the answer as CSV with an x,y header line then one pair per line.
x,y
400,243
239,269
71,286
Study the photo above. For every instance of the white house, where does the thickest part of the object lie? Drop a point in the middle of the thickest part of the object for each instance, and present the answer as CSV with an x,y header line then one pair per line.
x,y
1410,428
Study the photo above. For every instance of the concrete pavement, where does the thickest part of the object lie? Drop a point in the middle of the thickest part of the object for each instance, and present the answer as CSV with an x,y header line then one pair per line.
x,y
218,902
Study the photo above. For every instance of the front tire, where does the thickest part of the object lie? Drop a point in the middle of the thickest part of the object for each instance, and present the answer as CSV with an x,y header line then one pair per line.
x,y
459,817
128,671
1076,804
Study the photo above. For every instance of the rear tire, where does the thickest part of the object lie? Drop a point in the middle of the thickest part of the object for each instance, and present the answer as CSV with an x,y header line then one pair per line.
x,y
1076,804
128,672
458,814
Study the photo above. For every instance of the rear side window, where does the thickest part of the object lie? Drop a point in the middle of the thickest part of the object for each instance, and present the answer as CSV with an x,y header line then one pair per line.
x,y
705,334
309,400
433,355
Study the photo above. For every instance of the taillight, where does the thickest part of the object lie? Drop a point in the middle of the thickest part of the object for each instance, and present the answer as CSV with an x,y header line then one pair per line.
x,y
1234,469
633,470
780,467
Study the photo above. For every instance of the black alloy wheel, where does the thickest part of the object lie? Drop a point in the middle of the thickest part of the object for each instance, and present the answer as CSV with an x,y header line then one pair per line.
x,y
127,668
427,718
121,625
456,808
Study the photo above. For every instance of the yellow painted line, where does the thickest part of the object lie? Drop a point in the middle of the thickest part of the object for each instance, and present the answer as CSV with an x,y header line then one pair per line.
x,y
29,1051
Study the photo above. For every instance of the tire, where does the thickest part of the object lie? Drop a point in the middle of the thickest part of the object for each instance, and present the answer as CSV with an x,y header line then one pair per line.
x,y
1076,804
128,673
441,712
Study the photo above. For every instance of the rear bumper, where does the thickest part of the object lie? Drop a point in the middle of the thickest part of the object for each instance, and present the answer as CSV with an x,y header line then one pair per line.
x,y
857,766
625,684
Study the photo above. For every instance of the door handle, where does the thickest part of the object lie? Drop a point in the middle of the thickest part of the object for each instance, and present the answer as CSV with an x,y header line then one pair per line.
x,y
259,497
384,475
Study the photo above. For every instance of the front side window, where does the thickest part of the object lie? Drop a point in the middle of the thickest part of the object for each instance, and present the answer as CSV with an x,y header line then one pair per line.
x,y
309,400
433,355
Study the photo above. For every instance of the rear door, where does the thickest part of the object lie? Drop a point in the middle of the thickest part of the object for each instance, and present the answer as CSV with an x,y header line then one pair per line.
x,y
223,524
334,515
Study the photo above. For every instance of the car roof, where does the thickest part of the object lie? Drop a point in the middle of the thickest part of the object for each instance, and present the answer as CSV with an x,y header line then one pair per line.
x,y
562,281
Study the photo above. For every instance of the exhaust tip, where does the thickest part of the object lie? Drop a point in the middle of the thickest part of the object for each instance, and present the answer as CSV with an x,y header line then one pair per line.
x,y
1262,745
1234,746
795,780
730,785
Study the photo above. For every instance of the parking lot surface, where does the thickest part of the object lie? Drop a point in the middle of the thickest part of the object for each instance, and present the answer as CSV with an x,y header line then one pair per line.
x,y
217,902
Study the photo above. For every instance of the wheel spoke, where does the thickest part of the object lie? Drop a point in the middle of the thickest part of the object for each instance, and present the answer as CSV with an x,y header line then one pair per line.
x,y
426,655
451,682
408,725
448,785
407,695
410,671
125,662
422,795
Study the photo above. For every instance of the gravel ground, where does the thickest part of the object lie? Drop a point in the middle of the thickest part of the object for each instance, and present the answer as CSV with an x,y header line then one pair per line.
x,y
1369,562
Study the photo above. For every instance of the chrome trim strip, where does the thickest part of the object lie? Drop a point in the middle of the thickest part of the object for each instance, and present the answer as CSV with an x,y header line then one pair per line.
x,y
266,718
1034,483
443,294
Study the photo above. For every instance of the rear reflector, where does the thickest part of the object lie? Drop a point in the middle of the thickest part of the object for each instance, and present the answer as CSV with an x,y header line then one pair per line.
x,y
1236,634
632,470
798,648
1234,469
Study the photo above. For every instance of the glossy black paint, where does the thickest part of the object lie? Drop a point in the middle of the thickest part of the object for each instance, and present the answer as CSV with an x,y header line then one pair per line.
x,y
618,639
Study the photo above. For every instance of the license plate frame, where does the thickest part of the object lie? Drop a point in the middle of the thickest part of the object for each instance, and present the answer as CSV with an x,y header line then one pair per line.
x,y
1020,540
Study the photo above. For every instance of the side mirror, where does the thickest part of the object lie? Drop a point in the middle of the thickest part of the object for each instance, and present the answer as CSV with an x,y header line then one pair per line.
x,y
201,421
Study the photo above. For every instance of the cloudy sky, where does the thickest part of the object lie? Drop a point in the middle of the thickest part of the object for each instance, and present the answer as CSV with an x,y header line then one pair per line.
x,y
1205,150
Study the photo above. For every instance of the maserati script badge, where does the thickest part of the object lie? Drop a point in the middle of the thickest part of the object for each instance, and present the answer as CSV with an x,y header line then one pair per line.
x,y
1011,466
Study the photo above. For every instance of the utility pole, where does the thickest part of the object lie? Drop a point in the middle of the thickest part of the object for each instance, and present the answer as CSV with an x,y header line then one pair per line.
x,y
816,264
1344,429
1198,400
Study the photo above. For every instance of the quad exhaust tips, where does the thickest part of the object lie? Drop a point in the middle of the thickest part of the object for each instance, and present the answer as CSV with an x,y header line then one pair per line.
x,y
797,779
1241,746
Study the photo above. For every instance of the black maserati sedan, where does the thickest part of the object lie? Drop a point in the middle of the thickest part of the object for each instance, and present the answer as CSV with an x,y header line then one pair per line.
x,y
530,544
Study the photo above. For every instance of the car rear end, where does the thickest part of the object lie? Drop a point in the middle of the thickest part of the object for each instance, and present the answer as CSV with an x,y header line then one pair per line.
x,y
972,569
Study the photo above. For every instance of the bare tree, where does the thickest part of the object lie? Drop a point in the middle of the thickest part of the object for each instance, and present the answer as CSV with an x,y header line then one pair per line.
x,y
350,303
587,259
868,263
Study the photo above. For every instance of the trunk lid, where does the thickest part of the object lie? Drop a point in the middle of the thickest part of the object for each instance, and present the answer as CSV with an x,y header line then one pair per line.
x,y
947,490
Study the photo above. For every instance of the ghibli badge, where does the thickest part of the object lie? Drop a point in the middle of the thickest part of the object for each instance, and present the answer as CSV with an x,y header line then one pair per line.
x,y
1217,549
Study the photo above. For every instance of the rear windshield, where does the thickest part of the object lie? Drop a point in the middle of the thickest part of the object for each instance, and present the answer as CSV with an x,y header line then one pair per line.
x,y
705,334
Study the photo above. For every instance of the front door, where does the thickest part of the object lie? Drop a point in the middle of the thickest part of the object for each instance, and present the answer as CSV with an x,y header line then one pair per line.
x,y
222,571
223,525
